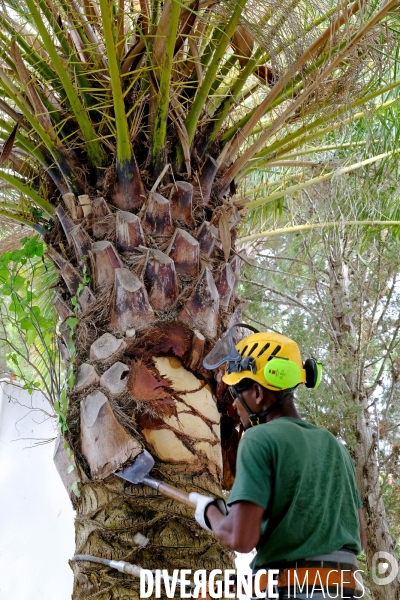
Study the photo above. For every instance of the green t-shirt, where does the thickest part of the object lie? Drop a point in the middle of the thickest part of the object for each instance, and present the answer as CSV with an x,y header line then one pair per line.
x,y
304,478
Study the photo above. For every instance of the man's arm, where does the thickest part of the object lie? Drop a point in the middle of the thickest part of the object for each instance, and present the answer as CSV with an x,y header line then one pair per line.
x,y
241,529
363,535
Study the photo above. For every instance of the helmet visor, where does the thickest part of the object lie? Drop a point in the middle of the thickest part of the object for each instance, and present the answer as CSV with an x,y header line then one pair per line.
x,y
224,350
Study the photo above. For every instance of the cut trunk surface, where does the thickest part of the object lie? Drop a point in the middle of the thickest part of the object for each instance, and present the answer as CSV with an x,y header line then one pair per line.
x,y
184,251
181,202
102,218
131,307
161,280
201,310
106,260
129,232
207,236
157,218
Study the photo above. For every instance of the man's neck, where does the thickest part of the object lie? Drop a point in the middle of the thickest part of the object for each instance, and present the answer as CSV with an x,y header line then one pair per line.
x,y
287,409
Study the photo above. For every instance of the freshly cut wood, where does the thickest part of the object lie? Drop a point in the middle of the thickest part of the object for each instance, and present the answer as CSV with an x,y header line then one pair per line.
x,y
131,307
157,217
105,443
212,452
115,378
129,231
181,202
66,222
70,203
194,394
85,377
190,425
82,243
86,205
102,217
167,446
62,309
185,252
71,276
106,346
197,350
207,235
106,260
86,298
206,179
201,309
161,280
225,282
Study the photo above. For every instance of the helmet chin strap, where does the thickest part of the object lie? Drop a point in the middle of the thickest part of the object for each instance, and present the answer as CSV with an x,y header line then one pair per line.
x,y
254,418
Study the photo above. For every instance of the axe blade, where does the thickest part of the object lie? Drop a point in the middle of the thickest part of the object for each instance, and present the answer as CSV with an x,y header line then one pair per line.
x,y
136,472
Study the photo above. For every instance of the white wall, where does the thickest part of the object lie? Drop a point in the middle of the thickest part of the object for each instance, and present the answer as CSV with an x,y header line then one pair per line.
x,y
36,516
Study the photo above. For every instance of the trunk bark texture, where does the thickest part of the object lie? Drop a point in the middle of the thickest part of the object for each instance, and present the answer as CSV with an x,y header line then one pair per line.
x,y
161,290
365,450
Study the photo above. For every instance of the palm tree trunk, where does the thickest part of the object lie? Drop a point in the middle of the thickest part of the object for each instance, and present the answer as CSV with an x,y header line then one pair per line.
x,y
149,313
109,516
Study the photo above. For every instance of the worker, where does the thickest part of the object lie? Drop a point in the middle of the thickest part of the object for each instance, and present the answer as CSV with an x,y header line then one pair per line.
x,y
294,498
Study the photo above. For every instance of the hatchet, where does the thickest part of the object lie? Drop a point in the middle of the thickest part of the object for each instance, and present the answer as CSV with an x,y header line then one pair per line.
x,y
139,471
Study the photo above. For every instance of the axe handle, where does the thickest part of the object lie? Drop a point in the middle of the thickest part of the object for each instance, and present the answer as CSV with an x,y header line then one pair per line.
x,y
169,490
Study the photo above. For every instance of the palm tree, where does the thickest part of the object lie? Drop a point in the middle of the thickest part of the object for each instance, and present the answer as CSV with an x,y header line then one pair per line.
x,y
125,127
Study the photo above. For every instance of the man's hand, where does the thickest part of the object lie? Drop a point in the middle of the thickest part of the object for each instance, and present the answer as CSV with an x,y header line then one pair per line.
x,y
202,503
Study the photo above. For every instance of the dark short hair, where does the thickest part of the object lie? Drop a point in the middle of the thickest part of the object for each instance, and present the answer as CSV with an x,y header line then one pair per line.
x,y
244,384
247,383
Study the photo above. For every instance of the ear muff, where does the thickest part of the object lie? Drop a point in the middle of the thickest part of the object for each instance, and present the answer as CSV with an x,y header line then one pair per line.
x,y
282,373
313,370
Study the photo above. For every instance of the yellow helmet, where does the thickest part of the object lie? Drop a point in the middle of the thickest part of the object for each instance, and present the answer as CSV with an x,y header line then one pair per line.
x,y
271,359
263,348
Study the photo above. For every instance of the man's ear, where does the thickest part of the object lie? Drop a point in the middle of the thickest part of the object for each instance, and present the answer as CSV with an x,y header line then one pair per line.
x,y
258,393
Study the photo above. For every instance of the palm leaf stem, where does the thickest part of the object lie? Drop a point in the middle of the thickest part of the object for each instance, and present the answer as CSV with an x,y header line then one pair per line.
x,y
160,123
61,161
24,189
278,88
124,147
305,184
284,230
94,149
22,142
286,142
232,97
211,72
242,160
229,63
14,217
68,48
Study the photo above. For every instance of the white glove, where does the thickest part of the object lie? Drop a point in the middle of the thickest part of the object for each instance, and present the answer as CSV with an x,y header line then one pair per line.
x,y
202,502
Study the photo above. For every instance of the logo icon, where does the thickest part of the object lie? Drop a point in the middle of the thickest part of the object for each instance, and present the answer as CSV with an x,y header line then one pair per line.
x,y
379,569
